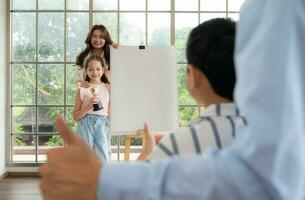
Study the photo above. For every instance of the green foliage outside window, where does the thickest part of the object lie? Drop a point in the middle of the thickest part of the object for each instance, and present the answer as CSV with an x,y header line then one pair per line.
x,y
55,140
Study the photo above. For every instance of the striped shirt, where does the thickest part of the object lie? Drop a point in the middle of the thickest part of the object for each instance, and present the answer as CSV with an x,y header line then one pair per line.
x,y
216,127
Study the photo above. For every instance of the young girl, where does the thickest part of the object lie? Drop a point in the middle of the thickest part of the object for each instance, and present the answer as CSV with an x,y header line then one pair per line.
x,y
92,121
98,43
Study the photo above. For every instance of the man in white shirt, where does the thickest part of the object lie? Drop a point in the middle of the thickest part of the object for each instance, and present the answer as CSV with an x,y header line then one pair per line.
x,y
266,161
210,80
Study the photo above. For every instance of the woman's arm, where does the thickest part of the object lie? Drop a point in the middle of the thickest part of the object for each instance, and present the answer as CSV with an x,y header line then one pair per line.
x,y
108,75
109,107
81,109
79,78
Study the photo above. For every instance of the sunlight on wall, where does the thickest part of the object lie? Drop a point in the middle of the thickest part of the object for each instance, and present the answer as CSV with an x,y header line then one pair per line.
x,y
2,86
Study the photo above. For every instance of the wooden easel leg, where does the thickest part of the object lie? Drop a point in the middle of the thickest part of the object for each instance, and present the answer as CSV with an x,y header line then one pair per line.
x,y
127,148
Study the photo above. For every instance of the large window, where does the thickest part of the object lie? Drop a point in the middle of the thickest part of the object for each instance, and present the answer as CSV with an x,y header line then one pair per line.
x,y
47,35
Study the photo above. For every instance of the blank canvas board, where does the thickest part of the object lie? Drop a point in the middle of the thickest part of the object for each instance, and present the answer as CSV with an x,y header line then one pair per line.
x,y
143,89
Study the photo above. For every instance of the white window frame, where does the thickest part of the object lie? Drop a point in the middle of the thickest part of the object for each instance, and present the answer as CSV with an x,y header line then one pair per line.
x,y
9,135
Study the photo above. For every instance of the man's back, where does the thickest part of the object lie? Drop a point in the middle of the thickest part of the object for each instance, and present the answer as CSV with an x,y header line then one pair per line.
x,y
267,159
216,127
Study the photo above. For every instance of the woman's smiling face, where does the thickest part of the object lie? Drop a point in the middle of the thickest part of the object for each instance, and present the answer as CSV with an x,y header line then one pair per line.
x,y
97,39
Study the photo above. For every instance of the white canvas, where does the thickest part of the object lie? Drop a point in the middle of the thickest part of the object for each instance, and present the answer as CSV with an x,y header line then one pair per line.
x,y
143,89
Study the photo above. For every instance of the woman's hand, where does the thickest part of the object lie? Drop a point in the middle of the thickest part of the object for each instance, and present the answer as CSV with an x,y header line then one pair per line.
x,y
84,84
115,45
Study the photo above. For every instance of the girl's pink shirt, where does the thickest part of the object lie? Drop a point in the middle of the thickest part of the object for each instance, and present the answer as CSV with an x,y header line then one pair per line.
x,y
103,92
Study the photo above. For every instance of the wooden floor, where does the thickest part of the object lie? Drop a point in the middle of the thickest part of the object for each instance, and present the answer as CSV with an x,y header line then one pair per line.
x,y
20,188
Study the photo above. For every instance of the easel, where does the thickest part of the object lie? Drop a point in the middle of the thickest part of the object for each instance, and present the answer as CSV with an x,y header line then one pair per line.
x,y
127,144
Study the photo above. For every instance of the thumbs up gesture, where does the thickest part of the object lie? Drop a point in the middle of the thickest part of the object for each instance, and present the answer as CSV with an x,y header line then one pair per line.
x,y
71,172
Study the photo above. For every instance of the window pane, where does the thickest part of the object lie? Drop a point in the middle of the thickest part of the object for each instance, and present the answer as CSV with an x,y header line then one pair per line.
x,y
24,148
105,4
158,29
46,119
187,114
47,142
159,5
109,20
78,4
184,23
23,120
77,30
23,84
234,16
24,34
132,5
184,97
24,4
190,5
70,84
51,37
213,5
69,118
208,16
51,77
51,5
50,84
132,29
234,5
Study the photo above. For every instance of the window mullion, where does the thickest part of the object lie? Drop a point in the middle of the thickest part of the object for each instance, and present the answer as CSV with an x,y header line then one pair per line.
x,y
36,84
90,13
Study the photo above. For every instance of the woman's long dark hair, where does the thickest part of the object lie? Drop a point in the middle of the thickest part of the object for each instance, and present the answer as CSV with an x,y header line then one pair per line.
x,y
104,79
106,48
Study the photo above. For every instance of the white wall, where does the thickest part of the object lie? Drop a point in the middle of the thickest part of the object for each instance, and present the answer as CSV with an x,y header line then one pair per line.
x,y
2,84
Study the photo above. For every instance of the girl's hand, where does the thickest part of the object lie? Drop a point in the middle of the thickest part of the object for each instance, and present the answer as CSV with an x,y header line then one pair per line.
x,y
96,98
88,107
84,84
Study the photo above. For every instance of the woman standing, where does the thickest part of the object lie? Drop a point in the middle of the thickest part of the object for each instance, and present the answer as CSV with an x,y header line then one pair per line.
x,y
98,43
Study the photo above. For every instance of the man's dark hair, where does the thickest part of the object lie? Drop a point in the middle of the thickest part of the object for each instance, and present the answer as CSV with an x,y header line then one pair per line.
x,y
210,48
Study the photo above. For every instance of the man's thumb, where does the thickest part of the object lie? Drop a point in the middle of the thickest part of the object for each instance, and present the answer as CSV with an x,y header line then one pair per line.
x,y
65,131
